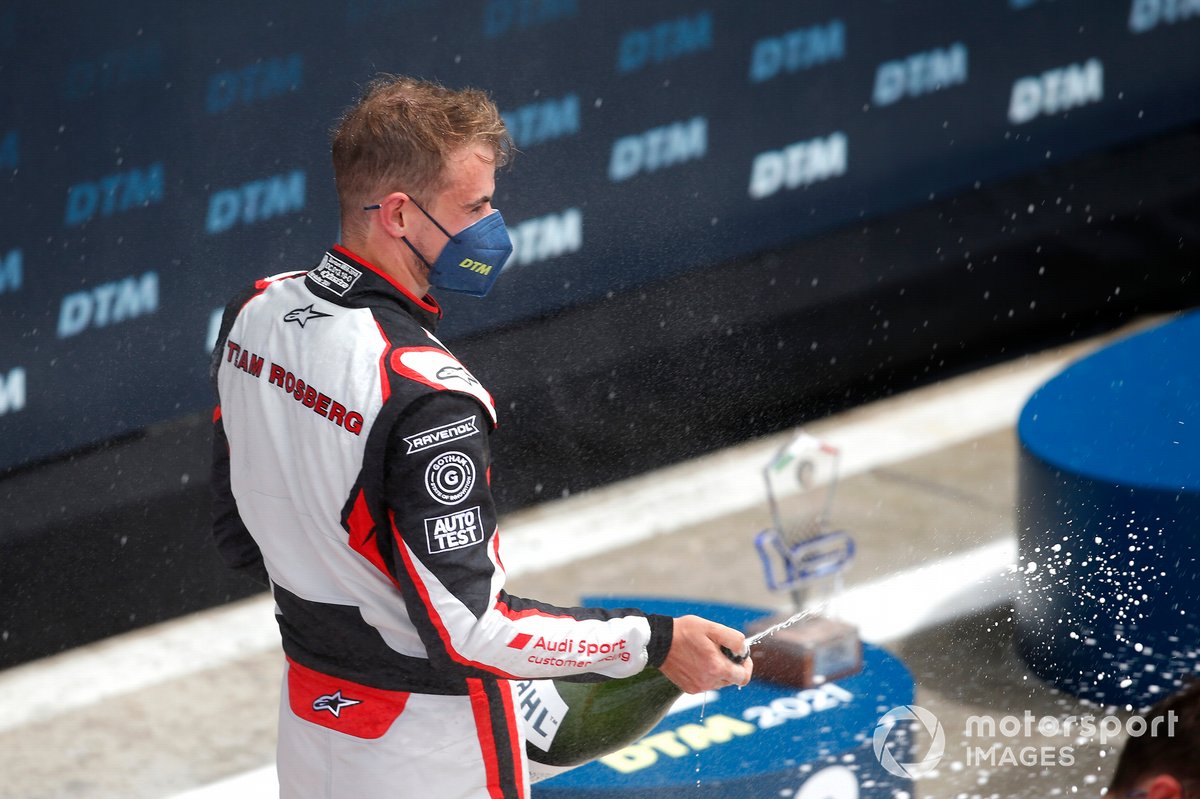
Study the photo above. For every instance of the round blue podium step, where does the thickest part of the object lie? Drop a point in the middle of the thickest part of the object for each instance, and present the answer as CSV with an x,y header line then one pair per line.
x,y
763,740
1109,519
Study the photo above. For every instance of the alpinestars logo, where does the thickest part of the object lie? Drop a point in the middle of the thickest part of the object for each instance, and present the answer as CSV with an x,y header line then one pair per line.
x,y
334,703
456,373
303,316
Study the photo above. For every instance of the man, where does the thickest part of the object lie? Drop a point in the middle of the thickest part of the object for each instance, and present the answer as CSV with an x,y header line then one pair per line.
x,y
1164,763
351,474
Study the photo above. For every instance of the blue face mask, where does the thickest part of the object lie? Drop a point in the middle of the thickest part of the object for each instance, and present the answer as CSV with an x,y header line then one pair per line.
x,y
472,259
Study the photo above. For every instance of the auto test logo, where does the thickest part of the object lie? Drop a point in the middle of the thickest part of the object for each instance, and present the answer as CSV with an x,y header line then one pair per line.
x,y
905,715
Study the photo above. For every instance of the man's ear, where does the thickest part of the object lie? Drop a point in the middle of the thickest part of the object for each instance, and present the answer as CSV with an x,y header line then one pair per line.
x,y
394,211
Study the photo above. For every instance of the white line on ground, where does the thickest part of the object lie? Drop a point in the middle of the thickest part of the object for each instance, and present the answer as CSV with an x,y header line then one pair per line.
x,y
907,602
552,534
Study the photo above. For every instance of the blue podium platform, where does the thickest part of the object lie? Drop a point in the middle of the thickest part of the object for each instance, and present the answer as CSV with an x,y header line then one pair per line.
x,y
763,740
1109,520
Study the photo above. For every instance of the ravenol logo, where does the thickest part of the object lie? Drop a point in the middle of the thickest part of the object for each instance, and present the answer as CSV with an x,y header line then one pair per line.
x,y
933,728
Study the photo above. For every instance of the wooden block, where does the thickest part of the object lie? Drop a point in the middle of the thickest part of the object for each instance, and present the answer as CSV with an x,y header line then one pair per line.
x,y
808,653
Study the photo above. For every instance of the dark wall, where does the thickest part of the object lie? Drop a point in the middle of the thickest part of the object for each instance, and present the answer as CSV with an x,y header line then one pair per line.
x,y
108,540
156,158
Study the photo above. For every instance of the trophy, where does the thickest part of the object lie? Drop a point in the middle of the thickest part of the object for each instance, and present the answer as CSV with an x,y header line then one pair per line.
x,y
802,556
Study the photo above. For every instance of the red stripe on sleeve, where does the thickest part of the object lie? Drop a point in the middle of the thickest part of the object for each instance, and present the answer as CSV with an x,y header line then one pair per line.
x,y
509,613
431,612
496,550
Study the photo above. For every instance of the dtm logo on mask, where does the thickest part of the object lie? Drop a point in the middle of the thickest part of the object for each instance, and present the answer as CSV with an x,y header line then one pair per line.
x,y
478,267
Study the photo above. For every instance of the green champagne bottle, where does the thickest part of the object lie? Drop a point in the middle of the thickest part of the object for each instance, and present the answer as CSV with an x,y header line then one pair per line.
x,y
568,724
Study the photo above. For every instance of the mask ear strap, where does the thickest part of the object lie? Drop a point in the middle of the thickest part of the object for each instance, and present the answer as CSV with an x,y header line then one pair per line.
x,y
434,221
416,252
446,233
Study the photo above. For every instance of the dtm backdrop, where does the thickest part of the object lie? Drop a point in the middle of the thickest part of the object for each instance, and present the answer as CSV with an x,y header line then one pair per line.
x,y
157,157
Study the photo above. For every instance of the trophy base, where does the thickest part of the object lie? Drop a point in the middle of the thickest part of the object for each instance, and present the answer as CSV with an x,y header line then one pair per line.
x,y
807,654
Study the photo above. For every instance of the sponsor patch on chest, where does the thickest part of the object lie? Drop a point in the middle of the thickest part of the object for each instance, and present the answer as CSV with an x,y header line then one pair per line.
x,y
463,528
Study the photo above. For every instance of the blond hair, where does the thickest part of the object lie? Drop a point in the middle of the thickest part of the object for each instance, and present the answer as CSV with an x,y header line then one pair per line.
x,y
399,135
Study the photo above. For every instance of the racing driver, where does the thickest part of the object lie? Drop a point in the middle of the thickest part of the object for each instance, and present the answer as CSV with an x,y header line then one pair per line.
x,y
351,475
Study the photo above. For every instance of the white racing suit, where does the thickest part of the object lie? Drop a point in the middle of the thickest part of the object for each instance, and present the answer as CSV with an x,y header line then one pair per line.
x,y
351,473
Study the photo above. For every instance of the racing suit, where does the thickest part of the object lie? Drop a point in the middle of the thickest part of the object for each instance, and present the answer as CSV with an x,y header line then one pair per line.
x,y
351,472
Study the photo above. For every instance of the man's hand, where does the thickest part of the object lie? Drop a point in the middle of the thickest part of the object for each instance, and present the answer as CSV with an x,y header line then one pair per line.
x,y
695,662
